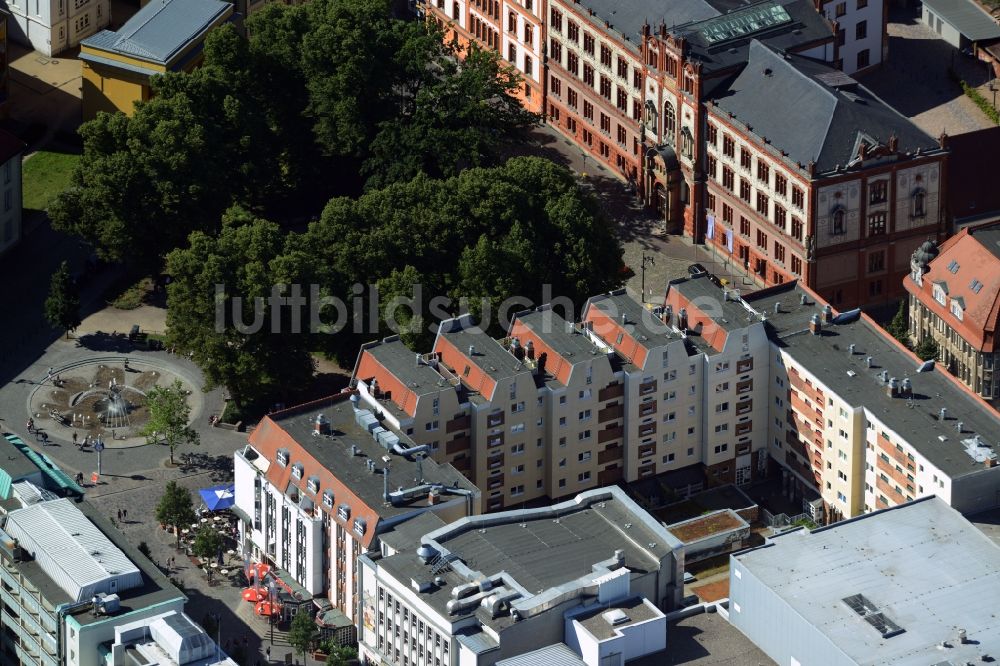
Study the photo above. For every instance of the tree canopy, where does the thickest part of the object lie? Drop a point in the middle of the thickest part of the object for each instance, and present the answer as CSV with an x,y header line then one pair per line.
x,y
302,633
174,508
169,413
62,306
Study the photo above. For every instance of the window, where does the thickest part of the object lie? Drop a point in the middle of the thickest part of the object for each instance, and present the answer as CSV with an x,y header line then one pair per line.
x,y
555,50
588,43
838,228
583,476
861,30
588,75
744,226
528,65
841,9
711,166
511,22
669,122
573,32
529,34
761,240
862,4
796,265
728,145
780,184
728,180
588,110
722,407
875,287
745,159
796,228
605,124
556,86
605,87
779,252
721,448
711,134
605,56
622,102
863,58
512,53
622,68
780,216
571,98
585,434
876,224
572,64
918,204
763,172
727,214
798,197
584,456
431,425
762,207
585,414
878,191
745,190
711,202
517,490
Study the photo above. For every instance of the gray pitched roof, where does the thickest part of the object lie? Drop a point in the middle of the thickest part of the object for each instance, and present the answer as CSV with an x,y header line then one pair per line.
x,y
161,29
629,17
823,115
967,17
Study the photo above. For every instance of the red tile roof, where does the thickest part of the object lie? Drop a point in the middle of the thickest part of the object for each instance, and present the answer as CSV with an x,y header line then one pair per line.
x,y
968,257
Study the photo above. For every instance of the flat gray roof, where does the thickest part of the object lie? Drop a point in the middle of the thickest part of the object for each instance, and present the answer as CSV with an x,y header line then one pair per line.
x,y
923,565
967,17
397,358
706,639
334,454
558,654
730,315
490,356
828,357
636,610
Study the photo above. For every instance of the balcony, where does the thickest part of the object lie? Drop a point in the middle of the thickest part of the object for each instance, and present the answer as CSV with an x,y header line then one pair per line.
x,y
609,476
494,440
744,407
743,449
647,408
744,387
463,422
647,429
746,365
611,391
744,428
647,450
647,388
457,445
609,434
611,454
613,412
494,420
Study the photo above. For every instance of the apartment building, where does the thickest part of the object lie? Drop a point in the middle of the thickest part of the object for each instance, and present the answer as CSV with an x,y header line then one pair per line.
x,y
954,299
589,576
865,424
75,593
318,484
11,150
878,589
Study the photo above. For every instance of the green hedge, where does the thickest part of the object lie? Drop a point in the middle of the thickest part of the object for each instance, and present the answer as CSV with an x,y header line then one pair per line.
x,y
981,102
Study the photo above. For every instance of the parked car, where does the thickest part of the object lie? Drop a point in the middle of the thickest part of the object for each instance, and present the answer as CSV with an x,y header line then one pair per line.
x,y
697,270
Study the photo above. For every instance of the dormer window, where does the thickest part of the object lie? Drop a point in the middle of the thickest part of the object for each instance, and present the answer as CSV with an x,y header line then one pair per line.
x,y
328,499
360,525
297,471
282,457
957,308
940,293
313,484
344,512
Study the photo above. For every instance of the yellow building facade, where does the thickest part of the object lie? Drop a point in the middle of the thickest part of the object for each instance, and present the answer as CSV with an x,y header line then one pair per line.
x,y
163,36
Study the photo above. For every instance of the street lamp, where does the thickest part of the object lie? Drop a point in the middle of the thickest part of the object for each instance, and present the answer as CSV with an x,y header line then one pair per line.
x,y
647,260
218,636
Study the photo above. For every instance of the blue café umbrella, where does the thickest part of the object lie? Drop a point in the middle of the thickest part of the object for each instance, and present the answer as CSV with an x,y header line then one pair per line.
x,y
218,498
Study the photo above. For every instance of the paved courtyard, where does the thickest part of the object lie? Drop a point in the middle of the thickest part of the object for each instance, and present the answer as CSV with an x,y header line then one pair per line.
x,y
915,79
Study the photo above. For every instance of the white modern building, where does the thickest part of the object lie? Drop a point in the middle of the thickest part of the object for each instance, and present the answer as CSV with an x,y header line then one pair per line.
x,y
74,592
319,484
912,585
593,573
52,26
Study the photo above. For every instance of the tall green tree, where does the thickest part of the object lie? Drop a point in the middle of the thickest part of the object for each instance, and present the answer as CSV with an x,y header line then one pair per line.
x,y
207,543
62,306
899,327
303,633
169,417
174,508
927,349
221,307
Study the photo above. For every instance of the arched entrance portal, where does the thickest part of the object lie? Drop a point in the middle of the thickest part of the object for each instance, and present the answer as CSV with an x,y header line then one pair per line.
x,y
663,187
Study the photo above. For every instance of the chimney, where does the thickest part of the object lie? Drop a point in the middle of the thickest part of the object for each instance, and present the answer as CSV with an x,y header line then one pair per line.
x,y
777,308
417,360
943,414
868,361
529,348
682,318
624,319
959,426
321,425
827,313
472,351
432,497
907,388
893,389
385,483
803,300
814,325
850,349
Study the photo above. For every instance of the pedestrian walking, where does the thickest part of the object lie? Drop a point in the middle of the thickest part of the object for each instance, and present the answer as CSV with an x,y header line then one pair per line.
x,y
119,515
267,653
74,439
125,513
